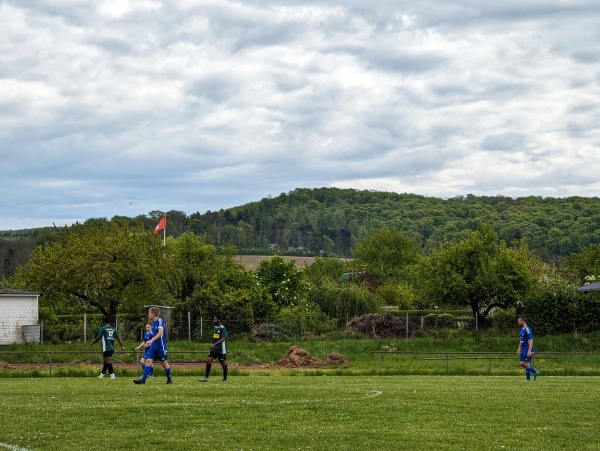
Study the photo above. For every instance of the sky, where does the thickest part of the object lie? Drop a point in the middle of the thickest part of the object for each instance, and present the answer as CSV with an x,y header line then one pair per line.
x,y
122,107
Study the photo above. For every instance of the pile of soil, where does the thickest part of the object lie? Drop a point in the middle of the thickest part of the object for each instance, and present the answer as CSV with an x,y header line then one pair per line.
x,y
376,325
335,360
300,358
6,366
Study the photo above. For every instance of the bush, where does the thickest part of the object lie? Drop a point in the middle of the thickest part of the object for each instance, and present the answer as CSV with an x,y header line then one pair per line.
x,y
444,321
504,320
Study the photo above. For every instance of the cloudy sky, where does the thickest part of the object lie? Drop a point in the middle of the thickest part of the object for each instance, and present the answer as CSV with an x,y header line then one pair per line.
x,y
121,107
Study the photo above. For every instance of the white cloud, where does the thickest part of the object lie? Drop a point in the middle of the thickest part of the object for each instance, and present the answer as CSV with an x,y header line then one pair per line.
x,y
122,107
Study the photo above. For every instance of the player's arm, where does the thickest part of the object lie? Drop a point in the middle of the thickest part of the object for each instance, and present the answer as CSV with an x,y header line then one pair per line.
x,y
530,343
96,340
121,343
219,341
137,348
156,337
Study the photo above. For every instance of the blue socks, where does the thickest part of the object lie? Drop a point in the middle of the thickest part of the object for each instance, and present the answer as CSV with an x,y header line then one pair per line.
x,y
147,371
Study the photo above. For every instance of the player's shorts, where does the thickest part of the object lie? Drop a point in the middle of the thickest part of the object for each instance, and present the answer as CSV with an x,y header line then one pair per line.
x,y
145,356
107,353
217,355
156,354
524,358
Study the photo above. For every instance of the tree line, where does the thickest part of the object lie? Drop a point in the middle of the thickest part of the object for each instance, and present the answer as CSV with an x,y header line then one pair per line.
x,y
328,222
110,267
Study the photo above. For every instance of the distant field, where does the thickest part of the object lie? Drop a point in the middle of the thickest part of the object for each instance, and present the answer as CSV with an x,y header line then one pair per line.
x,y
274,412
252,261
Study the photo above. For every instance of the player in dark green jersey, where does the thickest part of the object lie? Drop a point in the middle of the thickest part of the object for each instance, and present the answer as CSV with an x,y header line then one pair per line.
x,y
218,349
108,334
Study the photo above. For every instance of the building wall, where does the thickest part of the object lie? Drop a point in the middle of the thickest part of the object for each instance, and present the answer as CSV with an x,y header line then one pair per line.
x,y
15,312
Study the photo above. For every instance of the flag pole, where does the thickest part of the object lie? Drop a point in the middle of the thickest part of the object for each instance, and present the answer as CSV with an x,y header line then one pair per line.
x,y
165,232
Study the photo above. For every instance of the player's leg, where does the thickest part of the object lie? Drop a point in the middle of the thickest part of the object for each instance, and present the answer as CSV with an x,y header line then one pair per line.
x,y
525,364
209,362
535,372
167,367
109,365
223,361
147,370
105,362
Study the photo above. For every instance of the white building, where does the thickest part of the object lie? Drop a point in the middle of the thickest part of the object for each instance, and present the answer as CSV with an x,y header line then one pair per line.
x,y
18,316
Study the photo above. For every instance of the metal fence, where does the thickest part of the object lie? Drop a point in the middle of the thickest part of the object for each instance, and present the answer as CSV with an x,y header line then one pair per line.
x,y
184,326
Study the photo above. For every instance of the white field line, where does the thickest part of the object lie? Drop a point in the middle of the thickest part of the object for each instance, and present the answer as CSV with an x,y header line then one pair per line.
x,y
12,447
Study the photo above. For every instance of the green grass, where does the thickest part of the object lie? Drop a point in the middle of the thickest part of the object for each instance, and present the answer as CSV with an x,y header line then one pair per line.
x,y
359,353
277,412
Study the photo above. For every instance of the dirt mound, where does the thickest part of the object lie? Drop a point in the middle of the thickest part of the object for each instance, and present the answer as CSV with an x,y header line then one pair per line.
x,y
379,326
6,366
300,358
335,360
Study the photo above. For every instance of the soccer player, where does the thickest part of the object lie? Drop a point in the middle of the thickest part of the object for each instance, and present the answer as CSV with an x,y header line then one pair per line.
x,y
157,347
526,349
108,334
147,337
218,349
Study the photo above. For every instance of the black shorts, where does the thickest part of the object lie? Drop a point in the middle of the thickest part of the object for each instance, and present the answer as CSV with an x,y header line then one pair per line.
x,y
217,355
107,353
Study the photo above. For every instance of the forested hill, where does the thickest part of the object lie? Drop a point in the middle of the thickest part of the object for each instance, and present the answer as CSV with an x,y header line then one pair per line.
x,y
330,220
327,221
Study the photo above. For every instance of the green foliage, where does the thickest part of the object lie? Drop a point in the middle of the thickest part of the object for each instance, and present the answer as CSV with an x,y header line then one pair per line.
x,y
559,308
399,294
504,320
108,268
344,302
326,270
286,285
585,266
475,271
307,318
388,253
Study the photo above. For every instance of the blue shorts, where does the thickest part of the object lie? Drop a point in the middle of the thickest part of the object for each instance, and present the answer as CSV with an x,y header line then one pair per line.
x,y
156,354
523,356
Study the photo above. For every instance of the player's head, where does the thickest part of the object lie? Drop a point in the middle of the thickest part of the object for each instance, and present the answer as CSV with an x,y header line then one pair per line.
x,y
153,313
105,320
521,321
216,320
148,327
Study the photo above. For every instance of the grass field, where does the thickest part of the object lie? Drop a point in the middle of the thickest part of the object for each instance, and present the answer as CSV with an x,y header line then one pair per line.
x,y
283,412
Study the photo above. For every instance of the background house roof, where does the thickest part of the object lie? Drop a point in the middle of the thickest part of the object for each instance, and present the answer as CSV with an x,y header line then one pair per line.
x,y
590,287
13,292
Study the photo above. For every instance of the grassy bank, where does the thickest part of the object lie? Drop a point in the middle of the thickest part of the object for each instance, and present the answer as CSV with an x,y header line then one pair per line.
x,y
414,356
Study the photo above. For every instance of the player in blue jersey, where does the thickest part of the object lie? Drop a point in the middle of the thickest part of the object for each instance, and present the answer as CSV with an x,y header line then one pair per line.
x,y
157,347
218,349
107,334
147,337
526,349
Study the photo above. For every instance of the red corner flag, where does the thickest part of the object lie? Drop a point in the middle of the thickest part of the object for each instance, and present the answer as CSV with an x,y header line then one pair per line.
x,y
161,225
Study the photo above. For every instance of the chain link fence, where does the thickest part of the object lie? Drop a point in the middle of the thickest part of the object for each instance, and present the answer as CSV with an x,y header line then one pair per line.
x,y
185,326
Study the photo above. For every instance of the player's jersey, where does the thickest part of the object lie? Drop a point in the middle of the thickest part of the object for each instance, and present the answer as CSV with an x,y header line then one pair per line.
x,y
147,336
526,335
218,333
108,334
161,343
